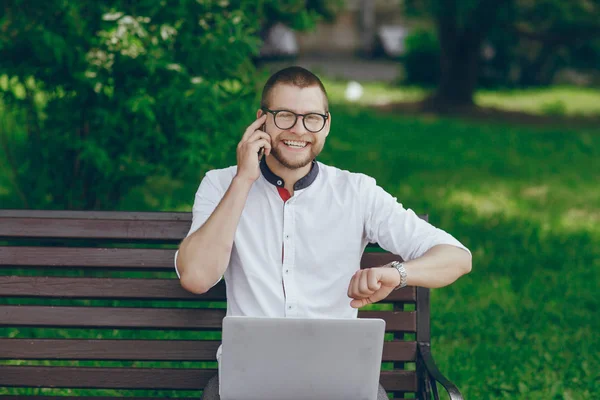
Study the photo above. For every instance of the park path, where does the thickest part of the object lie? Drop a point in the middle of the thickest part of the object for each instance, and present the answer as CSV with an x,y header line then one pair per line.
x,y
348,68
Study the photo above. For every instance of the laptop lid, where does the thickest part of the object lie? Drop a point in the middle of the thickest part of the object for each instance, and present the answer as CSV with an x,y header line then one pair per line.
x,y
301,359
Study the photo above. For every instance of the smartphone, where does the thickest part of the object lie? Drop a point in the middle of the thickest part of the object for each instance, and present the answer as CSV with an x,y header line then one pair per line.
x,y
261,151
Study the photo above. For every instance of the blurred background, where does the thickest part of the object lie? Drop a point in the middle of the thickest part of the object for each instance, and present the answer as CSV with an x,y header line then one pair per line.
x,y
483,114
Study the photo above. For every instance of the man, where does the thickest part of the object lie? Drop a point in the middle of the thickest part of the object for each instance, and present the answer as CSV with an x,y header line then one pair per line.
x,y
288,232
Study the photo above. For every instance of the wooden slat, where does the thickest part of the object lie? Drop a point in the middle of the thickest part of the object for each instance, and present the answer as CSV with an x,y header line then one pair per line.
x,y
103,288
87,257
399,351
377,259
94,229
119,257
144,350
105,378
144,378
115,215
403,321
81,349
34,397
124,288
405,381
116,396
406,294
154,318
111,317
111,215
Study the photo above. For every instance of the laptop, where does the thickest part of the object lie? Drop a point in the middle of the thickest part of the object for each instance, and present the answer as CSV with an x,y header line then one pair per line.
x,y
300,358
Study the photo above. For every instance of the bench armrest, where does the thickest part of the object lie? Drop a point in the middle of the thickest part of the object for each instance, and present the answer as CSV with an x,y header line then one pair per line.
x,y
435,374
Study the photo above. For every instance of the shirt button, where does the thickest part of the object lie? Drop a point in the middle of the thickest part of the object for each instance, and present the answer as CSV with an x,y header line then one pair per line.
x,y
287,236
289,307
279,183
287,271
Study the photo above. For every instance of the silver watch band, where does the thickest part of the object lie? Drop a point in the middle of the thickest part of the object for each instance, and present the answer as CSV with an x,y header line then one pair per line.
x,y
402,271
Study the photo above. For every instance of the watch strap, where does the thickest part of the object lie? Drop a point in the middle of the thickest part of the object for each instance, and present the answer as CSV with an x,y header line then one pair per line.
x,y
402,271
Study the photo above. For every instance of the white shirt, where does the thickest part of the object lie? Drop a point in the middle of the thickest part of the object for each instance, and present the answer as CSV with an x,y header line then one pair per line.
x,y
296,258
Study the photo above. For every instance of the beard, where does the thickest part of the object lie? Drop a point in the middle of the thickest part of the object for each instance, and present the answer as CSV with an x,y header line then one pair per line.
x,y
296,162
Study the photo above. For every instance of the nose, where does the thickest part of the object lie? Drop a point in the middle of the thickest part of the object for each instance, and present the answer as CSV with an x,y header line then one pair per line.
x,y
298,127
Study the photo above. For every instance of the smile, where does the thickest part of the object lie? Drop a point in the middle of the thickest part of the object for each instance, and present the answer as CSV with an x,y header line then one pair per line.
x,y
295,144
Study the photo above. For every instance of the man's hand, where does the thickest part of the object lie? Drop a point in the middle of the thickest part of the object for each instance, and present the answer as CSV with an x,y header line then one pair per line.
x,y
248,148
372,285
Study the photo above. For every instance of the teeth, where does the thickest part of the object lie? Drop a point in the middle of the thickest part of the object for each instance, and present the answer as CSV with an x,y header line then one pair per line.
x,y
295,144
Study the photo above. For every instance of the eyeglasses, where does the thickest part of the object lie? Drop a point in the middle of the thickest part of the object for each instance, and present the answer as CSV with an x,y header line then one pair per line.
x,y
284,119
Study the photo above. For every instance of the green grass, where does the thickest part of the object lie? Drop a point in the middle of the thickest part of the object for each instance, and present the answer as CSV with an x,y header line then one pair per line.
x,y
569,101
558,101
374,93
526,201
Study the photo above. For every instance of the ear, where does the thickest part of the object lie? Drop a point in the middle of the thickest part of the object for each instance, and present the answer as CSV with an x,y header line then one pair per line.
x,y
259,112
328,125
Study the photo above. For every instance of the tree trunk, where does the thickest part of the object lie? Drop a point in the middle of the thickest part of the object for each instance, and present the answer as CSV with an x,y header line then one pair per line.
x,y
459,71
459,65
460,50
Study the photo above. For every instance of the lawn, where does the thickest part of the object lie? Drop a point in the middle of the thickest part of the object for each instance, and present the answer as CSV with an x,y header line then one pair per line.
x,y
568,101
525,200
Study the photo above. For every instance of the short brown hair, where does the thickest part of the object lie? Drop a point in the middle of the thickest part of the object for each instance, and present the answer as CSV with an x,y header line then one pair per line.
x,y
296,76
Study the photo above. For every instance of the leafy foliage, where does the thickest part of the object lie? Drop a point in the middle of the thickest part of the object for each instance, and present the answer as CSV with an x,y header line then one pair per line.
x,y
111,92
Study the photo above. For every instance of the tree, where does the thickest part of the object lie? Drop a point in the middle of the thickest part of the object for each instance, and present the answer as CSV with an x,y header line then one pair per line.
x,y
463,27
101,95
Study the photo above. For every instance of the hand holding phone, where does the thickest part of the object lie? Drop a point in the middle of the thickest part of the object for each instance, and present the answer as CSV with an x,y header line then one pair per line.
x,y
255,144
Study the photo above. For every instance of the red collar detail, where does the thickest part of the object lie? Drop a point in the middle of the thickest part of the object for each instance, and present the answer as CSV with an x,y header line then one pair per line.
x,y
285,195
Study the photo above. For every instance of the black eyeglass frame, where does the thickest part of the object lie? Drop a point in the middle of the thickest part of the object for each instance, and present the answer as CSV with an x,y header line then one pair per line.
x,y
275,112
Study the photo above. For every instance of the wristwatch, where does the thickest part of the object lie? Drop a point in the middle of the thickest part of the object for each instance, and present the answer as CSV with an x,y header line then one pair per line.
x,y
400,267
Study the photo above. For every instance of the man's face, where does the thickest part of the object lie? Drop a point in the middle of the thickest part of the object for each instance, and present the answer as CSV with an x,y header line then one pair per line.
x,y
296,147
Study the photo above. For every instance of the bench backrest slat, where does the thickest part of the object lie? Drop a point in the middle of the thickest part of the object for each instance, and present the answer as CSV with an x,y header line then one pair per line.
x,y
144,350
163,230
144,378
121,349
125,288
158,318
87,257
84,257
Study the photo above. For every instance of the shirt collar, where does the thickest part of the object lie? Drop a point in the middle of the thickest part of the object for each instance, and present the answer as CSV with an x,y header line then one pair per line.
x,y
302,183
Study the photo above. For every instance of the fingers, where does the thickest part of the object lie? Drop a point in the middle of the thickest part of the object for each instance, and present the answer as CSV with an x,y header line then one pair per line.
x,y
265,144
257,144
359,303
263,141
365,288
257,137
254,126
371,282
367,282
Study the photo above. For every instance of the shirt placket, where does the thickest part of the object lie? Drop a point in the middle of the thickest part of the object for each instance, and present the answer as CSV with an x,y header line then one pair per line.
x,y
289,257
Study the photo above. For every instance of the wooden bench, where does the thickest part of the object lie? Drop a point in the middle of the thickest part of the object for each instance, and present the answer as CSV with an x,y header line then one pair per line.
x,y
90,300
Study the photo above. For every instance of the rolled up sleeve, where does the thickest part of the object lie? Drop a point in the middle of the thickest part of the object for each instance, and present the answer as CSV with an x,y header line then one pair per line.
x,y
396,229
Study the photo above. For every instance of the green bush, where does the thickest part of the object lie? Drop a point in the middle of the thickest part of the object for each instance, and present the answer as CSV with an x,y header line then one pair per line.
x,y
422,58
107,93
